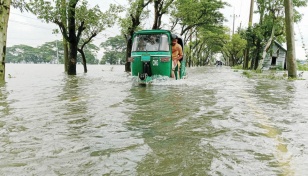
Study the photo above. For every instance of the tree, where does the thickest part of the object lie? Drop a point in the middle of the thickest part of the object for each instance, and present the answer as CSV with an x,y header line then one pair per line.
x,y
189,15
24,53
115,48
79,18
4,18
234,50
94,26
52,52
207,43
46,53
160,8
89,51
135,13
49,52
215,40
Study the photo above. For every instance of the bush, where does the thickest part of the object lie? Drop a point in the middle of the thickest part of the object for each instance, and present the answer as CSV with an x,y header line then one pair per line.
x,y
302,67
237,67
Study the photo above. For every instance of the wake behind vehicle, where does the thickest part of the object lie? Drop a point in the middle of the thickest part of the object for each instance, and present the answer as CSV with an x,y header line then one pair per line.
x,y
152,56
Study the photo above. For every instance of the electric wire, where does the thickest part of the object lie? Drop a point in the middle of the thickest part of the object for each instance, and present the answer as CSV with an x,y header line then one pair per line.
x,y
28,24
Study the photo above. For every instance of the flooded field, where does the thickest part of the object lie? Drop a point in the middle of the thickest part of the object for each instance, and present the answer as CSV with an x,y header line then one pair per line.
x,y
216,122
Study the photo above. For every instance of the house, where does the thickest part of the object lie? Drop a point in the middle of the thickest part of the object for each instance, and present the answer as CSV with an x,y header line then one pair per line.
x,y
275,57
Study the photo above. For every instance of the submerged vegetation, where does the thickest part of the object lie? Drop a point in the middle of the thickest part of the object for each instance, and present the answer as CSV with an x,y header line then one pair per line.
x,y
271,74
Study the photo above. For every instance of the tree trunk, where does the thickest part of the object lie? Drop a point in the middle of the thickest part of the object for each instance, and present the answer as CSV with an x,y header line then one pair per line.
x,y
291,59
255,60
246,58
156,14
71,69
4,18
65,54
267,46
65,43
84,61
129,45
73,42
128,53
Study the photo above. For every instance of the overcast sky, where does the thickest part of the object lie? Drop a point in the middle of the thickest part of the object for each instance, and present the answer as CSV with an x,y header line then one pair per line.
x,y
25,28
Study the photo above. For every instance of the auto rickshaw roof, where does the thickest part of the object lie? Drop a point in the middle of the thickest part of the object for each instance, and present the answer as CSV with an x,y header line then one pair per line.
x,y
154,31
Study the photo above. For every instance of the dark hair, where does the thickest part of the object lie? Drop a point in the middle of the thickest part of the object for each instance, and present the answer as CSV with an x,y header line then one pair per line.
x,y
173,36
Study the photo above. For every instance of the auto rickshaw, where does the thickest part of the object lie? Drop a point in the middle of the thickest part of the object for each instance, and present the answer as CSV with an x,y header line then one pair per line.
x,y
151,56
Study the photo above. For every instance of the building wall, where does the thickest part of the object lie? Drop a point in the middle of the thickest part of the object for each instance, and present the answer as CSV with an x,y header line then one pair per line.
x,y
280,55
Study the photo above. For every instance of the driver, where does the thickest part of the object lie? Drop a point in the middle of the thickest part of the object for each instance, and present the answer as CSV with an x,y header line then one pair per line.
x,y
152,45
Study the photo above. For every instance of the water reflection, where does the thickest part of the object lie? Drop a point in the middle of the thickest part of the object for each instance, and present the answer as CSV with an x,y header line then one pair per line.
x,y
75,102
4,105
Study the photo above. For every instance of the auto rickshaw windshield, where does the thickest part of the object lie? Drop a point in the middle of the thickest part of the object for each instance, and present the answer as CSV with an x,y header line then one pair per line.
x,y
151,42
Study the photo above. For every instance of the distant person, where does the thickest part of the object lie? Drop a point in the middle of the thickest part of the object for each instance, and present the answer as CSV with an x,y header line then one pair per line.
x,y
177,54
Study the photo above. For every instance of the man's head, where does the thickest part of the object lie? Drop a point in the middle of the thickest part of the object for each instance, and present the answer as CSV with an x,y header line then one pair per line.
x,y
174,39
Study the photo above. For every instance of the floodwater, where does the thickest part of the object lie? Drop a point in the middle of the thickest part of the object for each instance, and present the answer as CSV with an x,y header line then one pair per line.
x,y
216,122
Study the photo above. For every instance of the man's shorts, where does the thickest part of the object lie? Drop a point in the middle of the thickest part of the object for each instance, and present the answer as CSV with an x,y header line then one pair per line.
x,y
175,64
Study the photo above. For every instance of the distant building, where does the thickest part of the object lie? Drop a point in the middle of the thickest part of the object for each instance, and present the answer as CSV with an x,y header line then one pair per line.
x,y
275,57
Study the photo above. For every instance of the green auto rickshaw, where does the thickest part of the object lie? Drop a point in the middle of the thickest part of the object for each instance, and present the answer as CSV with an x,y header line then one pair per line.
x,y
151,56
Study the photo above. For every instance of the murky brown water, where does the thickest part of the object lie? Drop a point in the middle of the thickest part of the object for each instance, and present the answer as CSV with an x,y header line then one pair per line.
x,y
216,122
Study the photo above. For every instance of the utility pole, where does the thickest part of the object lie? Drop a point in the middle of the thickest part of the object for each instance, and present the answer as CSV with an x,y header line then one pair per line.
x,y
233,24
291,59
234,16
251,13
246,55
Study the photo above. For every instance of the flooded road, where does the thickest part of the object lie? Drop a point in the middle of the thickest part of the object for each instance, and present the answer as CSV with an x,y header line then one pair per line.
x,y
216,122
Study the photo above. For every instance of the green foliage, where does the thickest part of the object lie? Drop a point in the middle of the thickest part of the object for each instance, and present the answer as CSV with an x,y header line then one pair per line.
x,y
96,21
238,67
24,53
193,14
115,50
302,66
78,22
49,52
90,52
135,12
201,22
234,48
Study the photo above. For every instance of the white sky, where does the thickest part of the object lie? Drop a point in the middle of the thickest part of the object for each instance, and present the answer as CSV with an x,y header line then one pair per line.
x,y
25,28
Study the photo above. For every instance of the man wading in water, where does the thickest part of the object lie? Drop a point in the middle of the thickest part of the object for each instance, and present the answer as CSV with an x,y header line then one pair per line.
x,y
177,55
